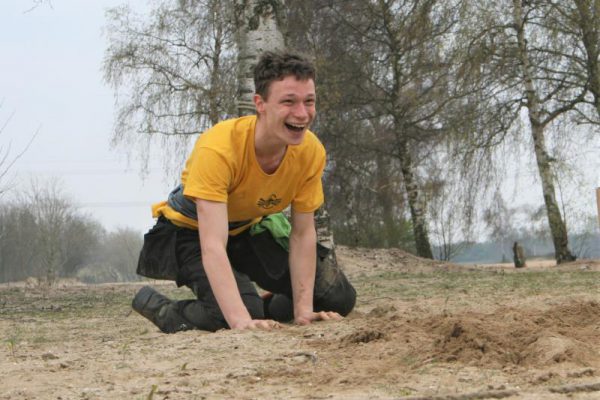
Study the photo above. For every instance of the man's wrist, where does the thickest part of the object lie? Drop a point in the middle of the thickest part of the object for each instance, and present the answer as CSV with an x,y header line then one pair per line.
x,y
238,319
302,311
240,323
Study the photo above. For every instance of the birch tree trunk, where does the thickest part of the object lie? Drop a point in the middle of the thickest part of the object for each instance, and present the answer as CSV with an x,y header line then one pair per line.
x,y
399,105
557,225
416,203
260,27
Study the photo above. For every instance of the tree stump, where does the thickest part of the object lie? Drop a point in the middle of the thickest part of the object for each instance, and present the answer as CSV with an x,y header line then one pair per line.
x,y
519,256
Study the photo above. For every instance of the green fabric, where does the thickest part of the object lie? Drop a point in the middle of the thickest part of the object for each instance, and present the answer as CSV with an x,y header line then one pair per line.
x,y
279,227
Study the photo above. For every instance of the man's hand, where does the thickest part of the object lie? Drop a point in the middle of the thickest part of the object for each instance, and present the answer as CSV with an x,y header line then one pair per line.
x,y
264,324
307,318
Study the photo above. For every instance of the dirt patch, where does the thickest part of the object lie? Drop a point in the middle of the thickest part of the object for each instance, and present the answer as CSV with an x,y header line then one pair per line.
x,y
362,336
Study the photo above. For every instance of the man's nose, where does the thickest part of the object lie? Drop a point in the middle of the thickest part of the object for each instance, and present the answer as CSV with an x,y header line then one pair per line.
x,y
300,111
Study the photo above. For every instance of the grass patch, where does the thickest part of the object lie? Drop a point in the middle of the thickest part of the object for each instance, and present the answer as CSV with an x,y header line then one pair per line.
x,y
409,286
60,303
115,301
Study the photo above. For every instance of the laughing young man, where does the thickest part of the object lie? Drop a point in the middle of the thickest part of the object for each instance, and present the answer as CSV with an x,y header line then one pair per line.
x,y
222,228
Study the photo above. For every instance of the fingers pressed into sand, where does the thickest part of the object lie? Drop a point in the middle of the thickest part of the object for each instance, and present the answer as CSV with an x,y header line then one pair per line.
x,y
261,324
317,316
328,315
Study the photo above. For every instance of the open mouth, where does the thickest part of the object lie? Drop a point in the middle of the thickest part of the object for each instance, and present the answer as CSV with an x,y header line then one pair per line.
x,y
294,127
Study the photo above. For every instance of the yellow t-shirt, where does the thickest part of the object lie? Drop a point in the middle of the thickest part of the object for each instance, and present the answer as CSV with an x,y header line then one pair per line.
x,y
223,168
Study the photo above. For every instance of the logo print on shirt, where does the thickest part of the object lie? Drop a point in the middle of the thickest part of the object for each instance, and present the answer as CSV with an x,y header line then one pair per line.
x,y
269,203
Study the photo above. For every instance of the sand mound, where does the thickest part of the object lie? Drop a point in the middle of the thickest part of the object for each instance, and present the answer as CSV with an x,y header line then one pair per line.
x,y
507,337
527,338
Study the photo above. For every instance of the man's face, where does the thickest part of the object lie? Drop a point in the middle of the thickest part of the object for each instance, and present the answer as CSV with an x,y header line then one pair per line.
x,y
288,110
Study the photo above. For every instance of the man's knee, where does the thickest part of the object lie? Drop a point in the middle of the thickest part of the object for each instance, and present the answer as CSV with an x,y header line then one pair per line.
x,y
254,304
341,297
280,308
205,313
250,297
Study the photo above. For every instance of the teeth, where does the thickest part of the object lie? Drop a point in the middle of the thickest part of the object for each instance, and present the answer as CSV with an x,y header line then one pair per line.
x,y
296,126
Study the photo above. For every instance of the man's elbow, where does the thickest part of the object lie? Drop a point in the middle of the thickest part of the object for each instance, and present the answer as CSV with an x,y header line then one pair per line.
x,y
306,237
213,251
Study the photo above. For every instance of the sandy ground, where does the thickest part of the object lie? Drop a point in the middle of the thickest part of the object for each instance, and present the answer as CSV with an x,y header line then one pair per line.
x,y
421,330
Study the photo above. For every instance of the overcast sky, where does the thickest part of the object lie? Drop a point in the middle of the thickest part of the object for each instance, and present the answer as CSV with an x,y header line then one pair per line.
x,y
50,78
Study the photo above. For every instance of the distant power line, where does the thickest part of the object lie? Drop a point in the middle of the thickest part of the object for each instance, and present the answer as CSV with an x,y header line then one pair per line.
x,y
118,204
85,172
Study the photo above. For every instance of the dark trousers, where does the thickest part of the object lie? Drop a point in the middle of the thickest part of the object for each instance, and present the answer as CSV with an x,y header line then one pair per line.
x,y
172,252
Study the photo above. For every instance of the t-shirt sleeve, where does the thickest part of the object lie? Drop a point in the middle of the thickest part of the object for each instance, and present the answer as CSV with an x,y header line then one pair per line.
x,y
310,195
209,176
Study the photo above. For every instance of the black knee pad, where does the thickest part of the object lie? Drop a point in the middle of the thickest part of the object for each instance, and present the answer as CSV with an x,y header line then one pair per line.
x,y
250,297
341,297
254,304
280,308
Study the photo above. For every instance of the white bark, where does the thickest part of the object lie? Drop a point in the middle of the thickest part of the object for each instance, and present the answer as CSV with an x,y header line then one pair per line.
x,y
259,29
555,221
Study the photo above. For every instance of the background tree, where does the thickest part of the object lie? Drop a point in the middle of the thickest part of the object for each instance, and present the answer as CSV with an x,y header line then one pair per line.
x,y
553,96
44,235
388,73
38,3
6,162
523,57
120,250
63,238
580,19
7,157
18,257
114,259
173,74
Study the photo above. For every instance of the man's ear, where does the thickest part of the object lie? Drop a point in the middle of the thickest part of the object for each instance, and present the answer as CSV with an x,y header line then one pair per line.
x,y
259,103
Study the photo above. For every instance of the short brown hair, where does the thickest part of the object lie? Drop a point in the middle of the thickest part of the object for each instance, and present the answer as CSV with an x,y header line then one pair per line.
x,y
273,66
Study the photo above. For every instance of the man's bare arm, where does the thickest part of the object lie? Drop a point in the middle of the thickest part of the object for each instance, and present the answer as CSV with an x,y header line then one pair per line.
x,y
303,256
213,230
